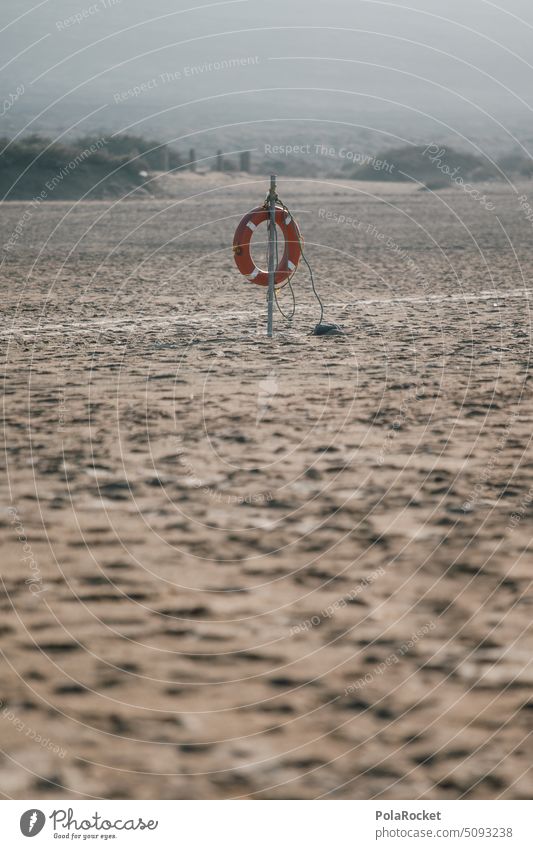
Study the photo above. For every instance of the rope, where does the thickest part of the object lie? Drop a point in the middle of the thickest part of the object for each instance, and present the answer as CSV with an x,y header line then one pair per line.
x,y
315,293
291,316
317,296
278,306
266,205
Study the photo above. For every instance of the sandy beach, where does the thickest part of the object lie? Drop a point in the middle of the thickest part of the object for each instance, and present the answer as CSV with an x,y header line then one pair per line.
x,y
242,568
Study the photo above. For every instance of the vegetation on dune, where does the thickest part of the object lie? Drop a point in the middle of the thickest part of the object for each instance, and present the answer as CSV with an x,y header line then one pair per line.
x,y
433,165
155,156
37,167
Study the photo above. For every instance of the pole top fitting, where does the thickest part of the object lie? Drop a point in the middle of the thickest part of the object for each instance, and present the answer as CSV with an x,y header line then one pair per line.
x,y
272,195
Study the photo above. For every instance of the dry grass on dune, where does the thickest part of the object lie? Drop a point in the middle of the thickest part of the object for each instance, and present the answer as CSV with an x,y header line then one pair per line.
x,y
272,570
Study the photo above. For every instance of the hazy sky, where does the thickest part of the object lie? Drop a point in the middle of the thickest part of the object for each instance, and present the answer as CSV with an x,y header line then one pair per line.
x,y
460,62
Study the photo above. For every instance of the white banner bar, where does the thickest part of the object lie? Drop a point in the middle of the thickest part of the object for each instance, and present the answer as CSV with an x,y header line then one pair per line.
x,y
268,824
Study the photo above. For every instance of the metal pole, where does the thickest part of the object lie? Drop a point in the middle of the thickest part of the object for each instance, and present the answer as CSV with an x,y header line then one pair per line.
x,y
271,253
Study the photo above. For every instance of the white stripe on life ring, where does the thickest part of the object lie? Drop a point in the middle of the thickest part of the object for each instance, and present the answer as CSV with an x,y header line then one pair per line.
x,y
288,219
291,266
254,273
251,225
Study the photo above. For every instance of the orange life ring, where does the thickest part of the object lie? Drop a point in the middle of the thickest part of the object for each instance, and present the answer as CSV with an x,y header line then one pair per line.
x,y
292,250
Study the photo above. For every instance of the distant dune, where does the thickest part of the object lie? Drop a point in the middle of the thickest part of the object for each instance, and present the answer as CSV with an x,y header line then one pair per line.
x,y
96,167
